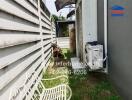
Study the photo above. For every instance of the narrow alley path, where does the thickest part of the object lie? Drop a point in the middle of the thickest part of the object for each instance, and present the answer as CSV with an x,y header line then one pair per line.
x,y
90,86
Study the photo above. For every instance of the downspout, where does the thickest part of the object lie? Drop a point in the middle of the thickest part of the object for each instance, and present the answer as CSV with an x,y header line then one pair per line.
x,y
77,54
106,33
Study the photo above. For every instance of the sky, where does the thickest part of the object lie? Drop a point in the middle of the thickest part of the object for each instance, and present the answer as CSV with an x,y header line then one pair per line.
x,y
51,6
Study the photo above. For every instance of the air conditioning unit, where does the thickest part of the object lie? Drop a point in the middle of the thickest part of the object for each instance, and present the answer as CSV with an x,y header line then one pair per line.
x,y
94,56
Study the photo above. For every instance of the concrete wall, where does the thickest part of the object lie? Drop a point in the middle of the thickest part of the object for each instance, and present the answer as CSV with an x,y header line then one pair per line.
x,y
25,47
120,48
100,21
89,20
86,15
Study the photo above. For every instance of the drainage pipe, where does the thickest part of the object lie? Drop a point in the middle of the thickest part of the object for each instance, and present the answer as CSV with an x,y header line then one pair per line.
x,y
106,33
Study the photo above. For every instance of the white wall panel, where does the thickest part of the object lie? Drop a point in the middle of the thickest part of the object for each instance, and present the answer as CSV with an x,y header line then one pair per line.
x,y
89,19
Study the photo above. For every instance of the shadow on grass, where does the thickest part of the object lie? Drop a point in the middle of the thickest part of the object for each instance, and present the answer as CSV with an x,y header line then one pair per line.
x,y
94,86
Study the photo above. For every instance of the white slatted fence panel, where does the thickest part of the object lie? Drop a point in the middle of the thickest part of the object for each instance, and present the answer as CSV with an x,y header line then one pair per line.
x,y
20,42
6,6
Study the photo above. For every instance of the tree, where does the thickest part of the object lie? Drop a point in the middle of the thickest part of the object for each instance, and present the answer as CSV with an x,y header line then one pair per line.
x,y
54,18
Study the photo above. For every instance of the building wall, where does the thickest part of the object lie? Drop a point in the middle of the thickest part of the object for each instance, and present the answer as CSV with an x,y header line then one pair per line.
x,y
119,42
120,48
100,21
86,15
25,47
89,19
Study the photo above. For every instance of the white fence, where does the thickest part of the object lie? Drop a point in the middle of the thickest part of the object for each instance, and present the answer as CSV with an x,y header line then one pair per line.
x,y
63,42
26,34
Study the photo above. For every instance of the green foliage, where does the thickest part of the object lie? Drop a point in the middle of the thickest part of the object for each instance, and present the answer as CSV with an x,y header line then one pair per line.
x,y
66,53
61,18
56,18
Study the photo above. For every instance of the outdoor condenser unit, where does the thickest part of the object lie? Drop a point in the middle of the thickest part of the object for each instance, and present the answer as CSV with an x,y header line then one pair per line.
x,y
94,56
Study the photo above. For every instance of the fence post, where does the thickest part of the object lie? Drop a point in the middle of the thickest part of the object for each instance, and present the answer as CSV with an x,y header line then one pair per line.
x,y
41,33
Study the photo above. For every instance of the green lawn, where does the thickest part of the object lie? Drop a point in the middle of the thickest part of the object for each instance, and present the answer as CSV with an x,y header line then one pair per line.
x,y
93,86
90,86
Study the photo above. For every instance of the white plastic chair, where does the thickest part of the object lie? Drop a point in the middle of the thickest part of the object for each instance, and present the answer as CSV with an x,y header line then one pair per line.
x,y
60,92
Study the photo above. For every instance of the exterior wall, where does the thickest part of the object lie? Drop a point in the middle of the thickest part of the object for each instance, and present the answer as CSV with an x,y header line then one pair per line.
x,y
86,13
120,48
100,21
25,47
119,43
89,20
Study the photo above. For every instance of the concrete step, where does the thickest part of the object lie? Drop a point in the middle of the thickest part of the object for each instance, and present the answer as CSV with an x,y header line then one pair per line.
x,y
76,64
